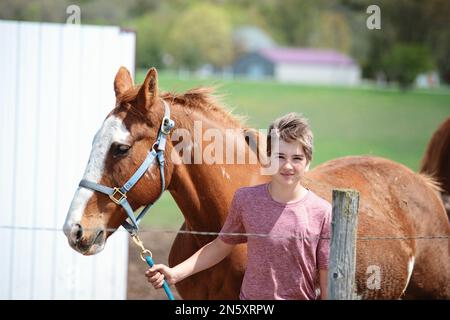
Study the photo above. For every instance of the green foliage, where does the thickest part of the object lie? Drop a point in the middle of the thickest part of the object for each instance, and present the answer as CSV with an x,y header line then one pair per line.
x,y
334,32
202,34
292,22
152,31
409,21
103,12
38,10
200,30
405,61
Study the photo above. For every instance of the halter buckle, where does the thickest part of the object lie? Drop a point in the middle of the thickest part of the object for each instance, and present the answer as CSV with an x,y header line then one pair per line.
x,y
117,200
166,125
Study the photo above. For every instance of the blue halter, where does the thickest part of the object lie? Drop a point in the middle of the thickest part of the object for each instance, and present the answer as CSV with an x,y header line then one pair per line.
x,y
119,195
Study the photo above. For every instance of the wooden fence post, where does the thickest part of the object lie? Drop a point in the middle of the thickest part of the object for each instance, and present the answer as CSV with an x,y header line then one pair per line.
x,y
341,273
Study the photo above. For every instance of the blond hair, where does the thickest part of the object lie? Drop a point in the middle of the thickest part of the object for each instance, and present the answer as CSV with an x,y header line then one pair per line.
x,y
289,128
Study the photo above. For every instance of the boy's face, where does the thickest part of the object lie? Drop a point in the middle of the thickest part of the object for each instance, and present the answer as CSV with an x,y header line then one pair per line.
x,y
290,162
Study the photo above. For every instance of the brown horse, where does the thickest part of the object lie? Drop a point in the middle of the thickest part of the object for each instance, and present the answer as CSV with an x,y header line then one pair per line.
x,y
436,161
396,205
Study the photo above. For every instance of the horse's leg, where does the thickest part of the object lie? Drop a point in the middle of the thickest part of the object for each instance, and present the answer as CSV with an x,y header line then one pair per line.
x,y
382,273
228,274
222,281
182,248
431,275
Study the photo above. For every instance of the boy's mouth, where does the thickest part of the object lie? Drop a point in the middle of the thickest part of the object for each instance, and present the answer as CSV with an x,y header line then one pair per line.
x,y
286,174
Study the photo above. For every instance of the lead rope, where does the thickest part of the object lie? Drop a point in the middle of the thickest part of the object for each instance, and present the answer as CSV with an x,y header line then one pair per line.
x,y
146,255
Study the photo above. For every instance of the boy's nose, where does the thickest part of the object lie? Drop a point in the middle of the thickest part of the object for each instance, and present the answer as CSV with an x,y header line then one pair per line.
x,y
287,165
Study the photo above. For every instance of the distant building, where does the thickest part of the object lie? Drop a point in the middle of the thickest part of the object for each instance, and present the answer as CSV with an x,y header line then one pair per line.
x,y
249,39
427,80
315,66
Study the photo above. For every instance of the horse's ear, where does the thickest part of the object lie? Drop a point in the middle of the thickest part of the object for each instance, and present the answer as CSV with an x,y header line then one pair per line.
x,y
123,81
149,89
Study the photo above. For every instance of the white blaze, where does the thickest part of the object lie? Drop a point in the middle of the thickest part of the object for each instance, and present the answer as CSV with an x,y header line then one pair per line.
x,y
112,130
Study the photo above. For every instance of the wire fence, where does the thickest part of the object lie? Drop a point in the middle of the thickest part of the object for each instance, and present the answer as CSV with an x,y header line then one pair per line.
x,y
260,235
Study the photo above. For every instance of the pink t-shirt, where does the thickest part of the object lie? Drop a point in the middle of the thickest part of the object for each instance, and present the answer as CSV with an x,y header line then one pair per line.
x,y
285,265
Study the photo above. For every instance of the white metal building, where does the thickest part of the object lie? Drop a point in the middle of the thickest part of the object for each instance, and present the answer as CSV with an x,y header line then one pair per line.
x,y
56,88
300,65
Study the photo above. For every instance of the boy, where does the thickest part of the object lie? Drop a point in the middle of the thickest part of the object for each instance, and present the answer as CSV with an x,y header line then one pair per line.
x,y
287,263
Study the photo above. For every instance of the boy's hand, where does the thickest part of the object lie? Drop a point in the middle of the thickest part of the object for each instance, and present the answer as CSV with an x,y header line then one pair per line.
x,y
158,273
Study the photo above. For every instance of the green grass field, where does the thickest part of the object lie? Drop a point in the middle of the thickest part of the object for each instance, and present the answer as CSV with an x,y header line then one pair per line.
x,y
345,121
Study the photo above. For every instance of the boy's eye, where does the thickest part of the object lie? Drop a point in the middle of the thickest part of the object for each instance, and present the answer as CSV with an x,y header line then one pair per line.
x,y
298,159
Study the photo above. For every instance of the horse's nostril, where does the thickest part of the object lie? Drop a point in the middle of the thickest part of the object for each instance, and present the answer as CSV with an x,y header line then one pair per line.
x,y
77,231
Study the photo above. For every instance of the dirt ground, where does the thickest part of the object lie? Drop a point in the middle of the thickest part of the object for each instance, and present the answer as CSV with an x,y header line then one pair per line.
x,y
138,287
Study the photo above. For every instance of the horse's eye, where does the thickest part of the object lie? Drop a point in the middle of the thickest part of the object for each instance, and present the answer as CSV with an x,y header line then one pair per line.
x,y
120,150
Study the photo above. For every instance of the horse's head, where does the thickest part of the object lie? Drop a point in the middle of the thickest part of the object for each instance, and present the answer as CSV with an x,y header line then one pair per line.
x,y
119,148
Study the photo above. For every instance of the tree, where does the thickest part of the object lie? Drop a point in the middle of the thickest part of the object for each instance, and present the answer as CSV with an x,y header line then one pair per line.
x,y
405,61
152,30
409,21
201,35
42,10
334,32
292,22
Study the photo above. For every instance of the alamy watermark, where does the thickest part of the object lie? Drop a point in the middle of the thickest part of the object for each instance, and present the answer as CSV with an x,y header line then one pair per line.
x,y
74,14
228,146
374,277
374,20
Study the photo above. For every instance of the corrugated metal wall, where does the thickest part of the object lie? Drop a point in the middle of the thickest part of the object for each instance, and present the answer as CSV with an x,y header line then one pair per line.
x,y
56,88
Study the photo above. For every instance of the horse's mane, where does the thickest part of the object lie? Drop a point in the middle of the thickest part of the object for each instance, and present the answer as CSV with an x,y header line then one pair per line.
x,y
431,182
203,99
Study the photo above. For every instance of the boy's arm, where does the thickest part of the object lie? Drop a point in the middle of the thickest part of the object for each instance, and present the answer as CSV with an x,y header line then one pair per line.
x,y
206,257
323,282
323,254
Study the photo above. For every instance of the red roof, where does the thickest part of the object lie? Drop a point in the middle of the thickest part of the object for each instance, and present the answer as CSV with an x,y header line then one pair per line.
x,y
301,55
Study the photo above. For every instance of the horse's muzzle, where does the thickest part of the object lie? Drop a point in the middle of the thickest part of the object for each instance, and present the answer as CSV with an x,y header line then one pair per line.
x,y
86,243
